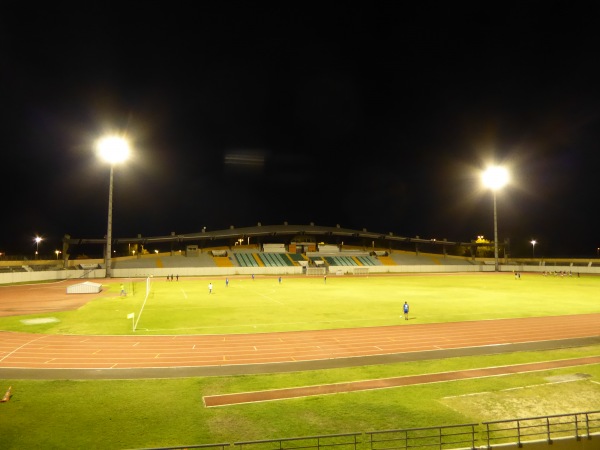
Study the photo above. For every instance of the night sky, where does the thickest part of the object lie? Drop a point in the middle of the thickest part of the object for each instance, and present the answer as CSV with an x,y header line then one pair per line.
x,y
376,115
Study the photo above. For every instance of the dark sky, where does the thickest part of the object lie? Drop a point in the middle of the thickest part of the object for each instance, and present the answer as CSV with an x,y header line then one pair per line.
x,y
379,115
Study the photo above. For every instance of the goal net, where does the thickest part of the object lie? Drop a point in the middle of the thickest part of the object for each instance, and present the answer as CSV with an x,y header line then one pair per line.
x,y
316,270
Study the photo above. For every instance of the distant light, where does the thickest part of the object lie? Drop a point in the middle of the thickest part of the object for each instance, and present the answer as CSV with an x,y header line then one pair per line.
x,y
495,177
113,149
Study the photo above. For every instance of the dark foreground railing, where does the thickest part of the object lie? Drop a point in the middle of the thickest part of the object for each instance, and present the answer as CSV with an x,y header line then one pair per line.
x,y
348,441
447,437
577,426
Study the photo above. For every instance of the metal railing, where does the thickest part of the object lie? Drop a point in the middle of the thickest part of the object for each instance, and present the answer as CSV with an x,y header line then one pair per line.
x,y
446,437
548,428
185,447
348,441
577,426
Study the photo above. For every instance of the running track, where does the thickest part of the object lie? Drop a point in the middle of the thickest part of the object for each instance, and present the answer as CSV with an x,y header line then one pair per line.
x,y
24,355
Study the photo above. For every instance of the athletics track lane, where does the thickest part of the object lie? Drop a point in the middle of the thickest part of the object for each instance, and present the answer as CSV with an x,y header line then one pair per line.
x,y
106,353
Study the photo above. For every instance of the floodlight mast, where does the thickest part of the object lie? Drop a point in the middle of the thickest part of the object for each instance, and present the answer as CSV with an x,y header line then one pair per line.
x,y
37,246
495,178
112,149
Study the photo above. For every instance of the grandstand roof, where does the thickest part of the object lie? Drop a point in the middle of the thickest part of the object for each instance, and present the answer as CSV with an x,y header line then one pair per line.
x,y
285,229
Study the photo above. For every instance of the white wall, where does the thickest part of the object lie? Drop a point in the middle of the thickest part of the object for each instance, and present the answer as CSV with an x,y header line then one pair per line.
x,y
29,277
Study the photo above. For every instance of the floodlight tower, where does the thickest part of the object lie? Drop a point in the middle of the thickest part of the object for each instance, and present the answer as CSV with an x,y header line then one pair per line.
x,y
495,178
37,245
112,149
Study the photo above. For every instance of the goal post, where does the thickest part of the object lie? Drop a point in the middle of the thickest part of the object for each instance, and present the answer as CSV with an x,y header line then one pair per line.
x,y
148,285
314,271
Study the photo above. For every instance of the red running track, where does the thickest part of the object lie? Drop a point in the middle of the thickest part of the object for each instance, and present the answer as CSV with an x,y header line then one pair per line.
x,y
40,351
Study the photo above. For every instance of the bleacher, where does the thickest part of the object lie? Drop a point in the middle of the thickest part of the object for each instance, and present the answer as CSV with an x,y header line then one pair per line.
x,y
449,261
250,257
308,260
9,269
275,259
340,261
412,259
317,260
387,261
165,261
296,258
245,259
42,267
223,261
368,260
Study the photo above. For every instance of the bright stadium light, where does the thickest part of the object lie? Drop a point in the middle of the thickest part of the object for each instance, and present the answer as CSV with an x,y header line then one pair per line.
x,y
112,149
533,242
495,178
37,245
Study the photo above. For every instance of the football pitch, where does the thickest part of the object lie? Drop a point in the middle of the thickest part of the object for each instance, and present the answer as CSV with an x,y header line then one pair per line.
x,y
266,304
242,304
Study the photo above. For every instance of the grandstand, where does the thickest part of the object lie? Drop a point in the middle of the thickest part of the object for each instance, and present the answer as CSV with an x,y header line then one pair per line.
x,y
277,250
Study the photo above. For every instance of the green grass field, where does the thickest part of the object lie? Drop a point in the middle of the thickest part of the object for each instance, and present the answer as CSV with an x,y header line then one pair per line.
x,y
120,414
303,303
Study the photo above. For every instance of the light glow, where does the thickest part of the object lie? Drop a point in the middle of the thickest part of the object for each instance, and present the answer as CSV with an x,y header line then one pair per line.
x,y
113,149
495,177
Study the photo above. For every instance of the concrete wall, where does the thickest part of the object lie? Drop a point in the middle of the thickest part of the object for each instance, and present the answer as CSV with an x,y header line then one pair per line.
x,y
49,275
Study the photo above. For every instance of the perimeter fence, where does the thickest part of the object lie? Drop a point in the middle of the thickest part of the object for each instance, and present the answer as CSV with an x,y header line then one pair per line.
x,y
575,430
